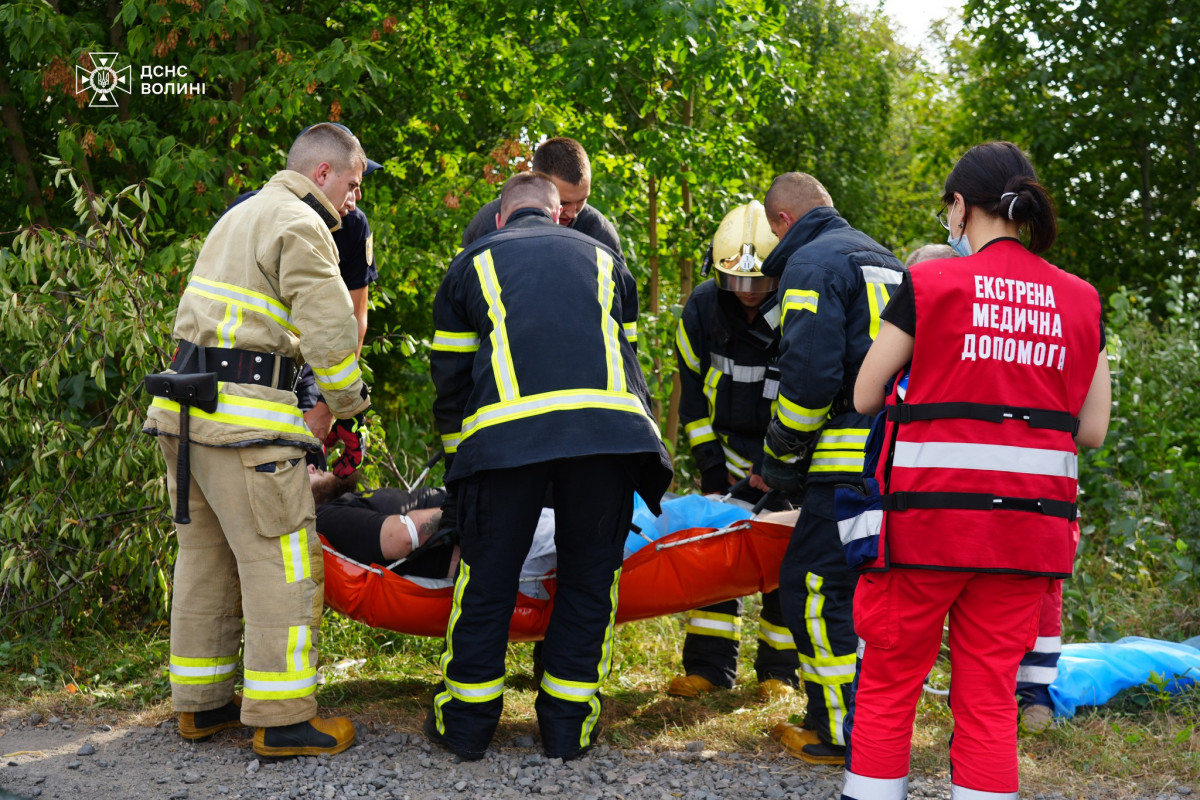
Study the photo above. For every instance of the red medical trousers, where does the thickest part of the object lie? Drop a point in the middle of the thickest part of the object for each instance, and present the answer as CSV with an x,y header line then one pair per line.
x,y
899,615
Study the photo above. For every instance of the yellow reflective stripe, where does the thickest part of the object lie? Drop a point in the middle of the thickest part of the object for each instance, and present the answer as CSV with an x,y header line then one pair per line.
x,y
710,390
787,458
298,646
502,363
443,697
798,300
684,346
606,652
296,563
571,691
776,637
249,412
798,418
450,442
454,342
236,295
840,450
565,400
877,300
279,685
631,332
202,671
707,623
475,692
226,331
700,431
340,375
735,460
612,331
830,671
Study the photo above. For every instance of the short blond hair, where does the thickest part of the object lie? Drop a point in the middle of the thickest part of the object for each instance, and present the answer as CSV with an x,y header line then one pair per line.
x,y
329,144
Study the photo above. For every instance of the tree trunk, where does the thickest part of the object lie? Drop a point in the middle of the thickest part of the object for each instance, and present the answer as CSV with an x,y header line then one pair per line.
x,y
654,279
20,154
686,265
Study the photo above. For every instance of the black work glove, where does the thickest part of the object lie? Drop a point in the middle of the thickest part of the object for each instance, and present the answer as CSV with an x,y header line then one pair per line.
x,y
352,435
788,478
447,531
715,480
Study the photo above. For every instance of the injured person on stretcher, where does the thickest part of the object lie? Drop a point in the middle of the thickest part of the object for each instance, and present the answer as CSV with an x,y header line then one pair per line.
x,y
383,526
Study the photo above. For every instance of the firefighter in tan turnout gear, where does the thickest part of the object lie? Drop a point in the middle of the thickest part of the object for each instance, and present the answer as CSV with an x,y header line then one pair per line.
x,y
264,296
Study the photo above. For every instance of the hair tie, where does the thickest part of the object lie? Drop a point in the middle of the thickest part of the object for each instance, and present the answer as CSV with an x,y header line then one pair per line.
x,y
1011,203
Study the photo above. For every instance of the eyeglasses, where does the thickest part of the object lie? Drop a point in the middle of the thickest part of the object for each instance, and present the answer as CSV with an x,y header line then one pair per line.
x,y
943,217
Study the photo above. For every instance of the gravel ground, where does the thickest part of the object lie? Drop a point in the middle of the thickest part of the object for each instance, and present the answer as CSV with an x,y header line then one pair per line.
x,y
61,758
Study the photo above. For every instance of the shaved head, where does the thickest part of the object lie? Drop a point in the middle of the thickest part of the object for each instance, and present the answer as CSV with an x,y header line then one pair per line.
x,y
326,143
796,194
528,190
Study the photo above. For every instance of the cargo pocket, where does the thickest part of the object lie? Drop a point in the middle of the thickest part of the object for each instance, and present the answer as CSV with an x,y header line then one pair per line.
x,y
875,609
277,480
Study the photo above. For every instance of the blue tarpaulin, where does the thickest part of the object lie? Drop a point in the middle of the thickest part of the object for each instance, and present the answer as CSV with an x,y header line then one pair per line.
x,y
679,514
1092,674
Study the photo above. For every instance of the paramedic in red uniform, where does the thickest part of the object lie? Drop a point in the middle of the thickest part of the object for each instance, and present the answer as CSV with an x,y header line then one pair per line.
x,y
1008,373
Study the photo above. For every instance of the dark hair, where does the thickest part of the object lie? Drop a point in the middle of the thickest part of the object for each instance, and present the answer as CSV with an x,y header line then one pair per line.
x,y
332,487
563,158
997,178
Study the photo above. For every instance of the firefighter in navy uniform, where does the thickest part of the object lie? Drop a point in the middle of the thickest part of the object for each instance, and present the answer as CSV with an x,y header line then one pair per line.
x,y
538,390
265,291
727,347
833,283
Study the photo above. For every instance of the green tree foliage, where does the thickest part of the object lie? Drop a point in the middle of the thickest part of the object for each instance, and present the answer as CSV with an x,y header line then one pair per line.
x,y
1103,97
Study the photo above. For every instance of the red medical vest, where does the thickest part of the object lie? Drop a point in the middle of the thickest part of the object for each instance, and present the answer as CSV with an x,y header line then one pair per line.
x,y
980,472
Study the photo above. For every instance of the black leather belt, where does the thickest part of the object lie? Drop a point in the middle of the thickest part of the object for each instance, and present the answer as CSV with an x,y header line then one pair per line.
x,y
236,366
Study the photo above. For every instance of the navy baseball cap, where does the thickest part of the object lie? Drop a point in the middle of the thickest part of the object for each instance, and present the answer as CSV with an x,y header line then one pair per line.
x,y
371,165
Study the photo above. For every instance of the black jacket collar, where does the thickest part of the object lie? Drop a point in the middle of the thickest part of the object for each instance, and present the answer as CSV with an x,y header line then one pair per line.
x,y
803,231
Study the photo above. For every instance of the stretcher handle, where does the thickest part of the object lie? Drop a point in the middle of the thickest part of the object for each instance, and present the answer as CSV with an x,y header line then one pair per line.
x,y
433,459
762,502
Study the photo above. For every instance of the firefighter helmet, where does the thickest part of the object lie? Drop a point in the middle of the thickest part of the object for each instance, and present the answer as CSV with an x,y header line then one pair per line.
x,y
739,246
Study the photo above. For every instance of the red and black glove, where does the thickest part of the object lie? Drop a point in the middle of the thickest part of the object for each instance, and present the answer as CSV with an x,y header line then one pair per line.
x,y
352,435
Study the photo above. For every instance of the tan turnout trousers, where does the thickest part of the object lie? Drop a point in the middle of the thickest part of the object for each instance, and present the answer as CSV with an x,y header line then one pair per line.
x,y
251,545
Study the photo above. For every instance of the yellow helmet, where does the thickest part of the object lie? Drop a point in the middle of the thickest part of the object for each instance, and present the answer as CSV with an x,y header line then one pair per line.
x,y
739,246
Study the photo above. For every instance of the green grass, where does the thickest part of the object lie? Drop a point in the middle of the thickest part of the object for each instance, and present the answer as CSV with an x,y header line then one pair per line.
x,y
1143,742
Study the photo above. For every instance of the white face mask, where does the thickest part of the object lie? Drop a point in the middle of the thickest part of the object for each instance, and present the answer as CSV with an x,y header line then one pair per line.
x,y
959,243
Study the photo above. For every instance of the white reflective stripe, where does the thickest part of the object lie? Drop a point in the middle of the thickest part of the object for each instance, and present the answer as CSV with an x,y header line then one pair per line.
x,y
611,329
295,556
820,460
735,457
987,457
772,316
799,300
739,372
502,364
796,416
1043,676
339,376
826,670
843,436
226,331
882,275
202,672
569,690
861,787
700,433
450,442
475,692
684,346
259,682
963,793
235,410
455,342
778,636
714,625
860,526
1048,644
554,401
630,329
299,643
254,301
